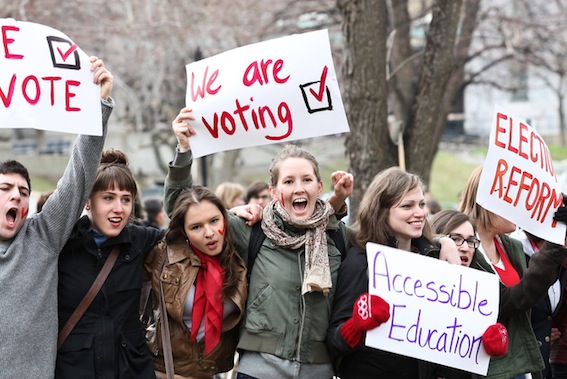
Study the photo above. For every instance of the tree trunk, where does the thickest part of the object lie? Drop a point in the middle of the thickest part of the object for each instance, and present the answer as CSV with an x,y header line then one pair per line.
x,y
438,65
368,144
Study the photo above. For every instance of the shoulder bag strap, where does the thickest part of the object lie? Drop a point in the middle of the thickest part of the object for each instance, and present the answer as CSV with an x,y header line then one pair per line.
x,y
165,336
89,297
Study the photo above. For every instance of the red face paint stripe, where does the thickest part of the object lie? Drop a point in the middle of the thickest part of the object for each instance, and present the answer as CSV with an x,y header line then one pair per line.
x,y
25,213
283,202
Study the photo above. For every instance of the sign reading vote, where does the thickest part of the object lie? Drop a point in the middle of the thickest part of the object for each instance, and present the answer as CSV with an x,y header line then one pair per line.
x,y
438,311
45,81
275,91
518,181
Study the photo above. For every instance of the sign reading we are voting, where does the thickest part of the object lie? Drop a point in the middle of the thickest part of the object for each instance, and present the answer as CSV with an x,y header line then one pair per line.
x,y
45,81
438,311
518,181
275,91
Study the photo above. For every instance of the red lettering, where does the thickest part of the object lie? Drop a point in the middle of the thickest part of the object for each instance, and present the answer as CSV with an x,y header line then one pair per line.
x,y
69,95
511,182
25,89
7,100
214,130
523,139
499,129
277,67
510,147
497,185
533,155
284,114
261,117
52,80
261,74
524,186
6,41
207,85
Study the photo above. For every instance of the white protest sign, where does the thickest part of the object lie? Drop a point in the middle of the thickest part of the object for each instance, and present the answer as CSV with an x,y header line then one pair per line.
x,y
518,181
438,311
275,91
45,81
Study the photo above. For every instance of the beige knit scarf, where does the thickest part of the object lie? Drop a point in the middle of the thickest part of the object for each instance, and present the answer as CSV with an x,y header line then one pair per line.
x,y
317,274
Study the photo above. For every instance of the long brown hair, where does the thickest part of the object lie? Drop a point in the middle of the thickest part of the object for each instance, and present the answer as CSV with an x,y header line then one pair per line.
x,y
229,258
385,191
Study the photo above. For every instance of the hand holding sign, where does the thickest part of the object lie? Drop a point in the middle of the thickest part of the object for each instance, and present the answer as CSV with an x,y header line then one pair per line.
x,y
369,312
495,340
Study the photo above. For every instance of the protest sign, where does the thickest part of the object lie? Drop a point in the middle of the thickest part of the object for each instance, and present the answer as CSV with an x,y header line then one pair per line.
x,y
438,311
45,81
276,91
518,181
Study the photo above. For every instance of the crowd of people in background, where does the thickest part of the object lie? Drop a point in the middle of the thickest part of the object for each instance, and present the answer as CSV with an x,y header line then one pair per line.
x,y
103,283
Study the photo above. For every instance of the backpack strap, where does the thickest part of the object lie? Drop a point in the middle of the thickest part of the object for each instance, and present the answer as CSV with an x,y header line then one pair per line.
x,y
257,237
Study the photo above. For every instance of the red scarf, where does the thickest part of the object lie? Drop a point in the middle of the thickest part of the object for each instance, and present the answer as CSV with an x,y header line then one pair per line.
x,y
509,276
208,300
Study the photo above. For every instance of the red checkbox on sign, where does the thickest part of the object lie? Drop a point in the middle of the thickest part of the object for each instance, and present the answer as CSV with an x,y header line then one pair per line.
x,y
316,95
64,53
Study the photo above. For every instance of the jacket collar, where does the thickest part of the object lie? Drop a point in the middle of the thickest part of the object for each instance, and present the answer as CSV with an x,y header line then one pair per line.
x,y
82,236
179,251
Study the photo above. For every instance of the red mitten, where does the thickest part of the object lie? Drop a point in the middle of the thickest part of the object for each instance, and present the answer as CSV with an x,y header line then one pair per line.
x,y
369,312
495,340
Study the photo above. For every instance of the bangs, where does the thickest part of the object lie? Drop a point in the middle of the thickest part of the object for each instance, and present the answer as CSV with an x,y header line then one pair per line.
x,y
115,177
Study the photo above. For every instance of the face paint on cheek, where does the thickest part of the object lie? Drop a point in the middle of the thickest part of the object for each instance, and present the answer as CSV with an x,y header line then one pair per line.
x,y
283,202
25,212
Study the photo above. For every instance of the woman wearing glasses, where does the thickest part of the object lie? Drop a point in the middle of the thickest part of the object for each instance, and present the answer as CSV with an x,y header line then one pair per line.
x,y
515,300
501,255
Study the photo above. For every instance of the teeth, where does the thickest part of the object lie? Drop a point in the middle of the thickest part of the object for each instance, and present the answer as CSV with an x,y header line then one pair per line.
x,y
300,201
115,219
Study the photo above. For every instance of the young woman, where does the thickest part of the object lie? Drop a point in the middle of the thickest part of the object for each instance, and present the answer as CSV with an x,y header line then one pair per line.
x,y
108,341
293,280
393,213
501,255
544,268
204,287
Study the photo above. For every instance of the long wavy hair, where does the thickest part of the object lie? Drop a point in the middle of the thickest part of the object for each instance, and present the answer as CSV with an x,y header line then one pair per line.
x,y
386,190
229,258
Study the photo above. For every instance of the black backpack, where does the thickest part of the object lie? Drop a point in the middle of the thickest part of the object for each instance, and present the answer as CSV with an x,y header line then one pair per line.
x,y
257,236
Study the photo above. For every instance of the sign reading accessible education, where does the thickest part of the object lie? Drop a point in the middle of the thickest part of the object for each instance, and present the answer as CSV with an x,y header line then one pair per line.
x,y
439,311
518,181
280,90
45,81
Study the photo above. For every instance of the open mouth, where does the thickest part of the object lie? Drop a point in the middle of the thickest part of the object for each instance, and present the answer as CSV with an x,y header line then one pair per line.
x,y
464,260
300,204
115,220
11,216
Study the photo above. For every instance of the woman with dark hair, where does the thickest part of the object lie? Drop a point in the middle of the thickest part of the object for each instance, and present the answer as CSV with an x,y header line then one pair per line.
x,y
204,286
107,341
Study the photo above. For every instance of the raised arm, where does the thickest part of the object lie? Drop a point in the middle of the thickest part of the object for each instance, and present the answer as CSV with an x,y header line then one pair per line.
x,y
67,201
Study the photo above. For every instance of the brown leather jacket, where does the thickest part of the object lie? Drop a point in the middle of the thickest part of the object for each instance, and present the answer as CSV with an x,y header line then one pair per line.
x,y
178,276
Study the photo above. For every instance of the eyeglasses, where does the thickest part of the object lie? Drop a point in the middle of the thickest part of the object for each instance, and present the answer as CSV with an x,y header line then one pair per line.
x,y
472,242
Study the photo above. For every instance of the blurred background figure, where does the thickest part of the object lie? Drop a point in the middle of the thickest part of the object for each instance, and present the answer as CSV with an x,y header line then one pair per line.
x,y
155,214
41,200
258,193
231,194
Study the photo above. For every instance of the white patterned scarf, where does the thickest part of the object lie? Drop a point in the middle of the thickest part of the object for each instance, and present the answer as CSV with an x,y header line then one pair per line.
x,y
317,274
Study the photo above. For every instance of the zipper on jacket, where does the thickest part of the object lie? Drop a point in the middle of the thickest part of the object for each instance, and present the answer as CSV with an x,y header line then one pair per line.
x,y
99,253
302,308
